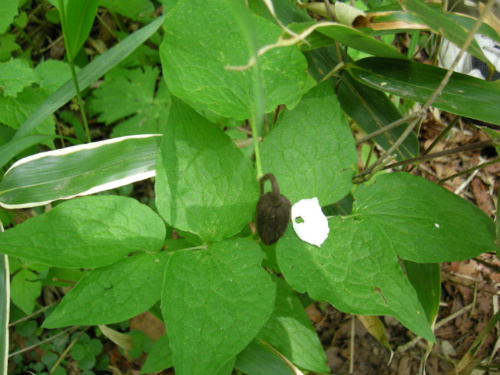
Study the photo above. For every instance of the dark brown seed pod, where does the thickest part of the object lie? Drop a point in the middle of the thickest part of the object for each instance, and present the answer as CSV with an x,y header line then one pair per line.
x,y
273,212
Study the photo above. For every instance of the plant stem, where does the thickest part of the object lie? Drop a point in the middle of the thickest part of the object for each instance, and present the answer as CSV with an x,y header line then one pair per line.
x,y
69,53
255,136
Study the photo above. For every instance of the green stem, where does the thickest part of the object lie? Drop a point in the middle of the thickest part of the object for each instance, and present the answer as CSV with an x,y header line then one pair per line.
x,y
255,137
69,53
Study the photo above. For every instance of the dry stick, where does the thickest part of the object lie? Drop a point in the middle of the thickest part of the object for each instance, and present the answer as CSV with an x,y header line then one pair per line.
x,y
66,351
386,128
442,134
353,332
479,166
440,88
442,322
439,137
48,339
27,317
473,146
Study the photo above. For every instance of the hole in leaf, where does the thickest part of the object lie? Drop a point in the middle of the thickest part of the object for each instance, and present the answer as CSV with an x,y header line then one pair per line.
x,y
299,220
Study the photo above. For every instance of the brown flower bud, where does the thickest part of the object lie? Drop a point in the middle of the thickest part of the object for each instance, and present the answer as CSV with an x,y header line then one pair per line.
x,y
273,212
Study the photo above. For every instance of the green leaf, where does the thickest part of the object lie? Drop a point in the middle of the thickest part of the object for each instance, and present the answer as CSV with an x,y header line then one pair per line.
x,y
160,357
426,279
259,359
195,55
79,170
132,92
353,38
53,74
15,75
425,222
123,93
24,290
291,333
371,109
204,184
4,311
214,303
7,46
354,271
18,145
117,292
88,75
463,95
15,110
443,25
79,19
87,232
138,10
9,11
311,149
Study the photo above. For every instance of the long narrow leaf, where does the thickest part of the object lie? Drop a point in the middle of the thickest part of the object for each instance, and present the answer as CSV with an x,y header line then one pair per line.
x,y
79,170
463,95
443,25
79,18
4,311
15,146
88,75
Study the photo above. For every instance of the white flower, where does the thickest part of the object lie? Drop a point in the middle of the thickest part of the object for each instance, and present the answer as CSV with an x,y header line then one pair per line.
x,y
309,222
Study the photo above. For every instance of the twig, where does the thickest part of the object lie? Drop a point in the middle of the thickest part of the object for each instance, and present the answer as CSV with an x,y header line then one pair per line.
x,y
48,339
27,317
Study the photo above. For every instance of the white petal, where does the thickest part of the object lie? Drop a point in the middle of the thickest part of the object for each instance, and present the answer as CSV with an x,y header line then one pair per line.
x,y
313,225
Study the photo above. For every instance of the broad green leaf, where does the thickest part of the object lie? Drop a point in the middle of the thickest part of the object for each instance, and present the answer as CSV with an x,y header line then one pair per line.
x,y
311,148
214,302
463,95
87,232
354,271
88,75
9,11
116,292
79,19
353,38
426,280
136,98
160,356
15,75
259,359
424,222
291,333
200,44
371,109
138,10
24,290
79,170
443,25
4,311
204,184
